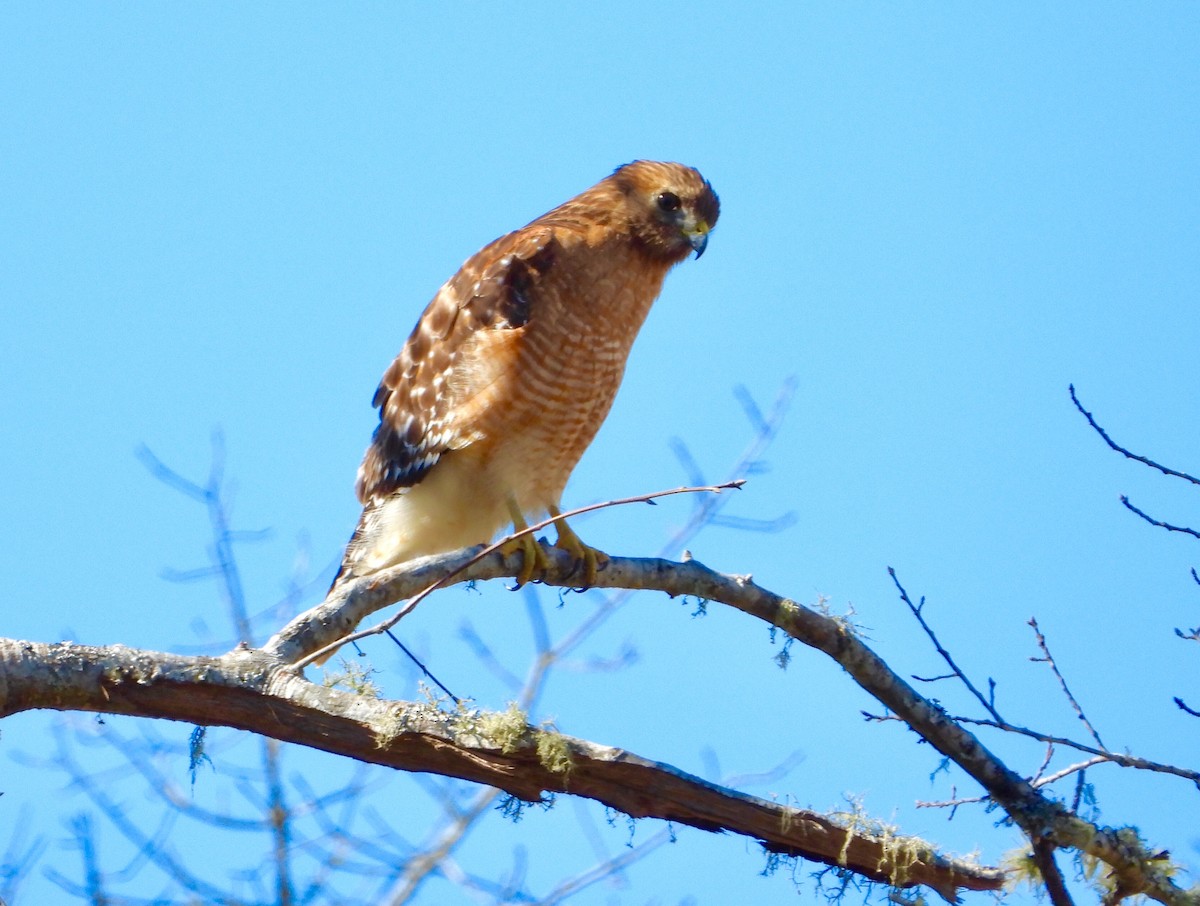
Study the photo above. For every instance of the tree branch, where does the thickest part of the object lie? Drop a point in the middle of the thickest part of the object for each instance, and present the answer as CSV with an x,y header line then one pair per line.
x,y
249,690
1041,818
1158,523
1048,658
1126,453
1056,885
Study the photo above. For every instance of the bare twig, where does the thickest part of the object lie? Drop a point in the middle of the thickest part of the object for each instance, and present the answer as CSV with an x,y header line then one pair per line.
x,y
280,818
1045,764
1118,758
916,609
999,723
1047,658
149,845
1078,768
1126,453
418,867
1182,529
605,868
952,803
211,494
1179,702
18,858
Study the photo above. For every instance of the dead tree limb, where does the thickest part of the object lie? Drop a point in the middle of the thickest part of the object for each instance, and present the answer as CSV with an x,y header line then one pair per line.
x,y
1135,868
250,690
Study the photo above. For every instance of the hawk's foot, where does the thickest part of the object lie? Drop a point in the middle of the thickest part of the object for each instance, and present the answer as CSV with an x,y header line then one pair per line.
x,y
535,561
584,556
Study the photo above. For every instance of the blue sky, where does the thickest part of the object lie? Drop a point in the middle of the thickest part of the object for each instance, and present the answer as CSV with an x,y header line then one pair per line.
x,y
934,217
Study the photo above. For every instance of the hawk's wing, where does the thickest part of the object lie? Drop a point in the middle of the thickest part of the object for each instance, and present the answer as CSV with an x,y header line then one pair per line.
x,y
424,397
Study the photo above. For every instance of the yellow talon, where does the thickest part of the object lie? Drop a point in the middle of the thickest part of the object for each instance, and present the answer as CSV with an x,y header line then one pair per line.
x,y
589,557
534,559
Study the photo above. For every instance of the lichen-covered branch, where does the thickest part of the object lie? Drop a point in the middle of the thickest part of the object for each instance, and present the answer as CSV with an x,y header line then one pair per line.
x,y
1136,868
251,690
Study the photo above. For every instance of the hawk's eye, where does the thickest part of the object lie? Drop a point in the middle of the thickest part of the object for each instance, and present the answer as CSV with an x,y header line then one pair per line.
x,y
668,202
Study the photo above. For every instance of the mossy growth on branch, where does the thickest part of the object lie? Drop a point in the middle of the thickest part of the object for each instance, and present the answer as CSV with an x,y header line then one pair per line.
x,y
506,729
898,852
554,752
352,677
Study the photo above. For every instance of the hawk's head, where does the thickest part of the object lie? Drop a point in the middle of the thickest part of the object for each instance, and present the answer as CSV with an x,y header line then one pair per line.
x,y
670,208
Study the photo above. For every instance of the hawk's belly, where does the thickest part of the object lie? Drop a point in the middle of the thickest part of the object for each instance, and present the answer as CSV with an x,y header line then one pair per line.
x,y
564,393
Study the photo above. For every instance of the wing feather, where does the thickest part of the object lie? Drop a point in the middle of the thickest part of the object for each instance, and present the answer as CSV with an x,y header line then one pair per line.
x,y
420,418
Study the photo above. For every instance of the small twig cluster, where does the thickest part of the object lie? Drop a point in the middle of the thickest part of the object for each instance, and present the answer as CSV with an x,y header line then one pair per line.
x,y
1189,634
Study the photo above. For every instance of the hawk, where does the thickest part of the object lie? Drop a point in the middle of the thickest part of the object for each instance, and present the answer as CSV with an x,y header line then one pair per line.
x,y
513,366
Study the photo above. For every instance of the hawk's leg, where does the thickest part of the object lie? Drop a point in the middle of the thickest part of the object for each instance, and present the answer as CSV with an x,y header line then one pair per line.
x,y
534,558
589,558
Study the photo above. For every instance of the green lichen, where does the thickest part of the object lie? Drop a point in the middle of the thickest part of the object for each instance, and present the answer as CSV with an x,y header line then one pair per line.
x,y
506,729
354,678
1111,884
404,717
898,853
389,727
845,621
554,752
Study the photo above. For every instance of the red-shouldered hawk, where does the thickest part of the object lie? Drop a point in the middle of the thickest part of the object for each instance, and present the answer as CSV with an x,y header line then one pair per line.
x,y
512,368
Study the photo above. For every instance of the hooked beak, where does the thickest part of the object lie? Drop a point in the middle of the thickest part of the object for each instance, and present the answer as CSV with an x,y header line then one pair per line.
x,y
697,236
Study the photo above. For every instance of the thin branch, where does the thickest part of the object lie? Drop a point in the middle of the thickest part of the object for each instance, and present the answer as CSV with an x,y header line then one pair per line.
x,y
214,498
418,867
1182,529
1179,702
763,526
1047,658
280,819
19,858
605,868
1045,764
1056,885
952,803
1128,455
1069,770
421,666
1118,758
998,722
146,845
916,609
